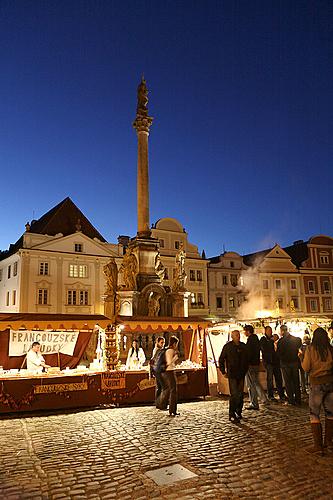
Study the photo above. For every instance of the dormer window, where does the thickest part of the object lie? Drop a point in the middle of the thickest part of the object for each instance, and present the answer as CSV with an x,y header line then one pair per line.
x,y
78,247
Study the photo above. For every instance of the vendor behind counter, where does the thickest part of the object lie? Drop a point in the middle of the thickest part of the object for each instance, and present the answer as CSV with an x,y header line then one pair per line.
x,y
35,360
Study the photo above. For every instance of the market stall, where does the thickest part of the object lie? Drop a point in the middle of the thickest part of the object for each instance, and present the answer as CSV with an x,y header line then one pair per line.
x,y
220,333
70,383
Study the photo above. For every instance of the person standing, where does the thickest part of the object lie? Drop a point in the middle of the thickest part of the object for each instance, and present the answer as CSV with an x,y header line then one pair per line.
x,y
35,360
169,380
252,381
317,360
157,351
287,349
272,364
135,357
233,364
303,374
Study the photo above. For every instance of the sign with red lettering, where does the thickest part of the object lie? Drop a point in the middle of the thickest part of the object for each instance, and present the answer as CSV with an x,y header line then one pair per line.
x,y
20,341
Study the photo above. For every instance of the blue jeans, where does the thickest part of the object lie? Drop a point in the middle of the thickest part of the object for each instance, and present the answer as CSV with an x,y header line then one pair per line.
x,y
254,386
321,395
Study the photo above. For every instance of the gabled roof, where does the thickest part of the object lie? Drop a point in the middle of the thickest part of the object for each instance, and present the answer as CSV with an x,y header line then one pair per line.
x,y
65,218
256,257
298,252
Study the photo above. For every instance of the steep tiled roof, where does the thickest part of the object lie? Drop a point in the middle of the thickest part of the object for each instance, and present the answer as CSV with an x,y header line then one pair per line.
x,y
298,252
65,218
255,257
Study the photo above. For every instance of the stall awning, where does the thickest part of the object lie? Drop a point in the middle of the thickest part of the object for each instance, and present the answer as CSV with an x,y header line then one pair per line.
x,y
161,324
38,321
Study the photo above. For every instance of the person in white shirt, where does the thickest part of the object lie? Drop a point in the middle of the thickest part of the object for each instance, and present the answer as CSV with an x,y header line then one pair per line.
x,y
35,360
169,393
135,357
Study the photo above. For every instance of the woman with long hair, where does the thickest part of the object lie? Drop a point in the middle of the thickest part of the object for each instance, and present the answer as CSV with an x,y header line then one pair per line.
x,y
135,357
318,362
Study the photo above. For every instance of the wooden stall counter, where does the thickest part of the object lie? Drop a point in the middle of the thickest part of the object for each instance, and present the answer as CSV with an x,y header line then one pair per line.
x,y
74,390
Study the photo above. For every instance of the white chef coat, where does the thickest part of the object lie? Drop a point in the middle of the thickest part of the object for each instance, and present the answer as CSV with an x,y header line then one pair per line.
x,y
34,361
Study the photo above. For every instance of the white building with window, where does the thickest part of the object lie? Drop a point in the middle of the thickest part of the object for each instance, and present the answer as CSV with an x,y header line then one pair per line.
x,y
57,265
225,284
171,234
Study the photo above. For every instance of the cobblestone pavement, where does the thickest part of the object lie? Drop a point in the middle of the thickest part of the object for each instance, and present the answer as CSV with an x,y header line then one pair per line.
x,y
104,454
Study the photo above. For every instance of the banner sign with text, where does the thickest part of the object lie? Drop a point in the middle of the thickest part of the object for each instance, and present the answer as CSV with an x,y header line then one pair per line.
x,y
20,341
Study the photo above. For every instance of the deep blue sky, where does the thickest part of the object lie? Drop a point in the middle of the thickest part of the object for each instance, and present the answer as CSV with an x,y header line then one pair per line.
x,y
241,94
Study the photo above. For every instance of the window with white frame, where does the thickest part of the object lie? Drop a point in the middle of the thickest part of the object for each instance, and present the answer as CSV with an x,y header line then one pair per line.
x,y
14,297
192,275
324,259
231,302
311,286
278,284
199,275
9,272
328,304
313,305
42,296
293,284
77,297
326,286
78,270
44,268
15,269
265,284
78,247
225,279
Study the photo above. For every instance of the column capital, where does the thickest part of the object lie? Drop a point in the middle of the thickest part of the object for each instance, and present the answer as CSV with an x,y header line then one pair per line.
x,y
142,123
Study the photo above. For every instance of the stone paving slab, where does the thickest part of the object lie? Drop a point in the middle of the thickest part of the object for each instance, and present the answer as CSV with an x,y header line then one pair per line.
x,y
105,454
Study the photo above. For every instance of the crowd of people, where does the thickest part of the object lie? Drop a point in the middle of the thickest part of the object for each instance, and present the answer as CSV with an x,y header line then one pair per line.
x,y
293,366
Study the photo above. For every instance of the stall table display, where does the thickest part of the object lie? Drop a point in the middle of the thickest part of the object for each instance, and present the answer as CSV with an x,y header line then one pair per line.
x,y
73,389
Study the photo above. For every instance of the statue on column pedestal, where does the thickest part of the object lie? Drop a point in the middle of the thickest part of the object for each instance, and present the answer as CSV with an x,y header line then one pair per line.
x,y
110,271
129,269
180,276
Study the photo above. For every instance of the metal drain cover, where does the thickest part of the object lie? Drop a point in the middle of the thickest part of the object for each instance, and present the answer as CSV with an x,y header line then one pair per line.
x,y
170,474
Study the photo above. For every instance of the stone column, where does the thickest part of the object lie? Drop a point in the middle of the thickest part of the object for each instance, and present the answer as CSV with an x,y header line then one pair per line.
x,y
142,125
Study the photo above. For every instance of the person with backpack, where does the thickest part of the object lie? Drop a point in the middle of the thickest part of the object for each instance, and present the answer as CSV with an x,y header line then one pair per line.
x,y
317,360
155,371
167,365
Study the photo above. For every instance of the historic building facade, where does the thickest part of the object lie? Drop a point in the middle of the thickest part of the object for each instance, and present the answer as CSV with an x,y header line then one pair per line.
x,y
57,265
172,236
226,285
315,261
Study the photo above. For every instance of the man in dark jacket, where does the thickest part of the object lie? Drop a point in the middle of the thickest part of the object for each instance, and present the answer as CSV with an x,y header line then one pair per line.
x,y
287,349
272,364
253,384
234,364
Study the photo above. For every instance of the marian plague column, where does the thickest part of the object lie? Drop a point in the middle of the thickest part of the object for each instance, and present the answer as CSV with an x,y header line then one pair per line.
x,y
142,125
